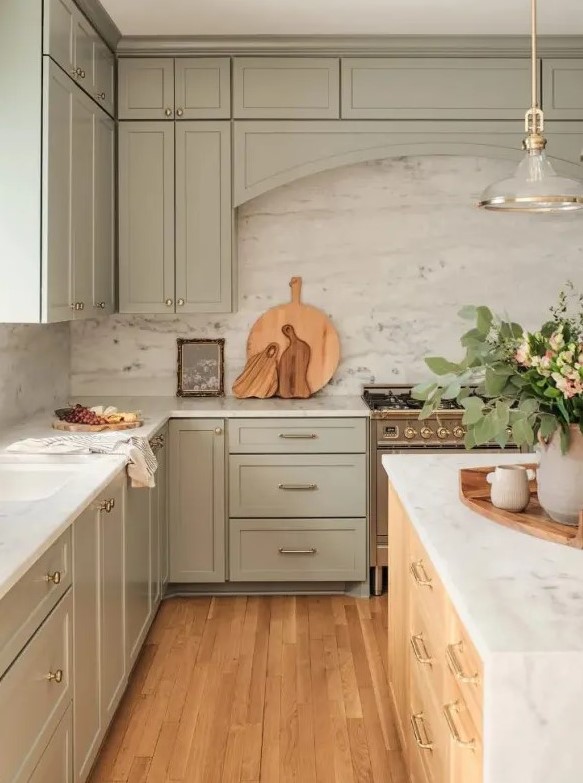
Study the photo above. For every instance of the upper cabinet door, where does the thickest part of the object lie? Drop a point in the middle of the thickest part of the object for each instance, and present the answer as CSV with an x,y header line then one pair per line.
x,y
146,217
104,216
82,203
59,32
430,88
146,88
104,83
85,38
203,88
286,88
563,89
203,217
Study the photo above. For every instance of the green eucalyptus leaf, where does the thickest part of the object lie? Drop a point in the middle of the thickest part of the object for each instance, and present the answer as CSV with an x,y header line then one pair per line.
x,y
484,431
441,366
469,439
422,390
548,425
522,432
452,390
529,405
468,313
484,320
494,383
473,410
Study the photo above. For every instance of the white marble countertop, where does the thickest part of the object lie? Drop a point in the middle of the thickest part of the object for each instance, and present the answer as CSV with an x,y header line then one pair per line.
x,y
514,592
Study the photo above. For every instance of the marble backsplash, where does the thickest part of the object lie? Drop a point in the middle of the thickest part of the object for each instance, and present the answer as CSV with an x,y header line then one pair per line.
x,y
34,369
390,250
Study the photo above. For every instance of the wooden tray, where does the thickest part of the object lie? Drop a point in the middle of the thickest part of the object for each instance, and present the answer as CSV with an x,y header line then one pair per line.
x,y
68,427
475,494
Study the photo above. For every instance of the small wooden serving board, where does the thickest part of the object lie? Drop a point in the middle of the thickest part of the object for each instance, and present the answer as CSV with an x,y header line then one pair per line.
x,y
475,494
69,427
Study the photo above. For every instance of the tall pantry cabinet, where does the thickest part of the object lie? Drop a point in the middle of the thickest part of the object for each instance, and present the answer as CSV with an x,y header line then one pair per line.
x,y
57,142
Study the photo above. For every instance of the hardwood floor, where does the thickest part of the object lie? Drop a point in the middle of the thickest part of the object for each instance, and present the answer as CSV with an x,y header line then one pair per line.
x,y
261,690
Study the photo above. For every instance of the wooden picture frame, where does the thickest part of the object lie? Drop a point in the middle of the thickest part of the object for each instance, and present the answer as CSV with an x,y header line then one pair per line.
x,y
201,368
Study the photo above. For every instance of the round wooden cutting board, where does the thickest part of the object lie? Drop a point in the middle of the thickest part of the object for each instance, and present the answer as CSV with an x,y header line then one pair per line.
x,y
311,325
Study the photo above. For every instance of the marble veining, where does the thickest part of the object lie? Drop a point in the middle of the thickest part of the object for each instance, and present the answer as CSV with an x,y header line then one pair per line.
x,y
390,250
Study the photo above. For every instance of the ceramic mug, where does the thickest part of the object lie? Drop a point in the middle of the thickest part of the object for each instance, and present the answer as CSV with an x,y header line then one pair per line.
x,y
510,487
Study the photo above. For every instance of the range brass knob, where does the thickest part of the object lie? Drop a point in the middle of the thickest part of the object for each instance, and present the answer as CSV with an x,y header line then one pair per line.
x,y
410,433
426,433
458,432
442,433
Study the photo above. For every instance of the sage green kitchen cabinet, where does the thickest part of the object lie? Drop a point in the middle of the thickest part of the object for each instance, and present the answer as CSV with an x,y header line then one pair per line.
x,y
104,76
197,500
167,203
562,84
55,765
286,87
138,570
203,217
202,88
59,33
146,88
146,217
160,494
104,249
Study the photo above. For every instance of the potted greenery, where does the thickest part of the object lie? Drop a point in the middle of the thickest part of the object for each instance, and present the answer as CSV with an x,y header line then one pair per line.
x,y
529,387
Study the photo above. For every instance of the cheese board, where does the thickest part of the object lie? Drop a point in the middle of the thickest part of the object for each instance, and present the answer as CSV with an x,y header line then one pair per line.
x,y
66,426
79,418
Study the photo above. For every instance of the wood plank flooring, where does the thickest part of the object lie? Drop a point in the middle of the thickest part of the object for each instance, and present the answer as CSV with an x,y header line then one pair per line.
x,y
258,690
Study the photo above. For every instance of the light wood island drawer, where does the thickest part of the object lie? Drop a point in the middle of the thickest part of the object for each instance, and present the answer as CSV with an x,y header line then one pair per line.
x,y
34,694
297,436
465,666
27,604
426,655
298,549
427,592
465,740
297,485
428,731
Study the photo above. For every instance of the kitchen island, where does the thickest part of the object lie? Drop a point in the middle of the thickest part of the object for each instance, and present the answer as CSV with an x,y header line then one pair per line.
x,y
517,601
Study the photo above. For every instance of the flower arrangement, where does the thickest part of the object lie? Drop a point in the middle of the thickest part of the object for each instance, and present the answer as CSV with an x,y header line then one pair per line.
x,y
528,385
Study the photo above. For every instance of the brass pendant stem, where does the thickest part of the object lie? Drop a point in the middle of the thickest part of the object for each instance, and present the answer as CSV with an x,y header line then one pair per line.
x,y
533,31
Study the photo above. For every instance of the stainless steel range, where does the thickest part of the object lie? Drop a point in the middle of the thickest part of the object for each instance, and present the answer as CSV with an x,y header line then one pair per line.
x,y
395,427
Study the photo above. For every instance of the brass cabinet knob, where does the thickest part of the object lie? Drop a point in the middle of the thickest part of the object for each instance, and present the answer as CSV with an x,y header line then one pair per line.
x,y
179,112
106,505
442,432
112,503
100,305
80,73
55,577
426,433
168,112
410,433
169,303
55,676
81,305
180,302
218,430
100,96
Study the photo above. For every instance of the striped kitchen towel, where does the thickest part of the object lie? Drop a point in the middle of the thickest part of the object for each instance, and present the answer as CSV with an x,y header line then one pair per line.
x,y
142,463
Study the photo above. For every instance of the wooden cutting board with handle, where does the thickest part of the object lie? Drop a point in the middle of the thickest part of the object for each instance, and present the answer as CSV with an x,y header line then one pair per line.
x,y
259,378
293,367
310,325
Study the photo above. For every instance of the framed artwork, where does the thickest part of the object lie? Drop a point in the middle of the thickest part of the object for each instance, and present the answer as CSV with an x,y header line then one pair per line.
x,y
201,365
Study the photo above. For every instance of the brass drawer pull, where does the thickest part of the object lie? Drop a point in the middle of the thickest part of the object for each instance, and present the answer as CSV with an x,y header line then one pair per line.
x,y
420,574
298,435
106,505
55,676
416,720
456,667
420,650
448,713
55,578
311,551
297,486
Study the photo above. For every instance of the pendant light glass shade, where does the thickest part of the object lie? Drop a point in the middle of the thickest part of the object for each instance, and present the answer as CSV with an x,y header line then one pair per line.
x,y
535,186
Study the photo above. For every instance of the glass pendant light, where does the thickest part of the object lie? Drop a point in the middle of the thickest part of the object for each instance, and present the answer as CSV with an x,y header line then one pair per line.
x,y
535,186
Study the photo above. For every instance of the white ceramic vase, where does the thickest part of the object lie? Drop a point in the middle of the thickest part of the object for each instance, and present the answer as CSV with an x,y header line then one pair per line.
x,y
560,478
510,488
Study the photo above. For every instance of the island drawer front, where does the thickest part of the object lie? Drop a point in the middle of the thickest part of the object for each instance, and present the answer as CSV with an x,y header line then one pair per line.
x,y
56,762
286,88
431,727
34,694
466,751
297,485
296,550
297,436
426,654
465,666
427,592
27,604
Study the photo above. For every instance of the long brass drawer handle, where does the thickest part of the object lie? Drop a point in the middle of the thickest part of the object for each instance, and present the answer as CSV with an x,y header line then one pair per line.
x,y
298,435
420,650
448,713
456,667
298,486
55,577
420,574
417,719
55,676
311,551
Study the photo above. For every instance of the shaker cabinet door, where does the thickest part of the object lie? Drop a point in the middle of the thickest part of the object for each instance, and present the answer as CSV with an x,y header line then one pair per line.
x,y
59,33
104,216
138,543
202,88
146,88
203,217
82,204
104,77
146,217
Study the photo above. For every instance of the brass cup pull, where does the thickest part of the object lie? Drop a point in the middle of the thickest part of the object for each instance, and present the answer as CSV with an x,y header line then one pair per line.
x,y
296,487
455,666
449,710
180,302
179,112
420,575
416,722
55,577
169,302
298,435
168,112
311,551
55,676
420,650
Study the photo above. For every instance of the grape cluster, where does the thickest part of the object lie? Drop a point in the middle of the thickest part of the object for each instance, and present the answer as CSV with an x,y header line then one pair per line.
x,y
81,415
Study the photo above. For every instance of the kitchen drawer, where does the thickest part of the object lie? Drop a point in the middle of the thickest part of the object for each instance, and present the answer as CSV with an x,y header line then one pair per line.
x,y
297,485
427,593
428,729
465,666
297,550
56,765
27,604
465,740
426,654
34,694
297,436
286,88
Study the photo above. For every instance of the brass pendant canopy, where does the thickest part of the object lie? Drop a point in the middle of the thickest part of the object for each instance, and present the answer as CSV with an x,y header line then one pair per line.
x,y
535,186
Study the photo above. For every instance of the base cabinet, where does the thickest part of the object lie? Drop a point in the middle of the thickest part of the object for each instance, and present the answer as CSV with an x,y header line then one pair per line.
x,y
56,765
138,569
